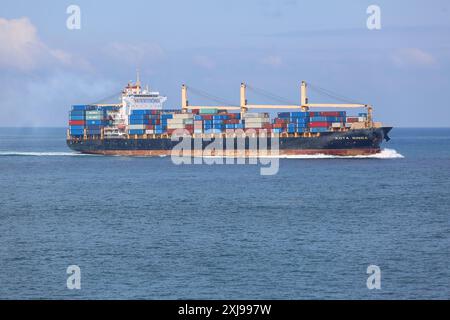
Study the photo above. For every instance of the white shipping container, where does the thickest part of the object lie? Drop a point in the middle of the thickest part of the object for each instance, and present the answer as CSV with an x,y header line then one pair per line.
x,y
92,112
253,125
361,119
257,120
175,126
255,115
136,127
336,125
183,116
149,131
94,117
175,121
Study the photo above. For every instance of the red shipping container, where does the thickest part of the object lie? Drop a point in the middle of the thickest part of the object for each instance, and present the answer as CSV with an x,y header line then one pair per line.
x,y
207,117
319,124
329,114
279,120
231,121
76,122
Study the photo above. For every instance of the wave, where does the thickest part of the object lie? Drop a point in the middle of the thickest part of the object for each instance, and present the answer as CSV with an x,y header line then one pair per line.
x,y
384,154
39,154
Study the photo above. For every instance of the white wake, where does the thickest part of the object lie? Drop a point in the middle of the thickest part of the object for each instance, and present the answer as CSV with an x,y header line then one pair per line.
x,y
40,154
384,154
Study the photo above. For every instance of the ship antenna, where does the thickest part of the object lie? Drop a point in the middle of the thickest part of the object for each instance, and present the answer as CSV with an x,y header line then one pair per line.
x,y
138,80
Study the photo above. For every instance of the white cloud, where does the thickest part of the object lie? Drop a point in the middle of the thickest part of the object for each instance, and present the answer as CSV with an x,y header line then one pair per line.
x,y
136,54
273,61
22,49
204,62
44,99
413,57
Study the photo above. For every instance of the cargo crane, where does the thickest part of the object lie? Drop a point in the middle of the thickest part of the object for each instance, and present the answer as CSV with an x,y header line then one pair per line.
x,y
303,106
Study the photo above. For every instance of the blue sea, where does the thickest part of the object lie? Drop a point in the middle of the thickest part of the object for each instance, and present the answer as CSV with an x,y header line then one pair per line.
x,y
145,228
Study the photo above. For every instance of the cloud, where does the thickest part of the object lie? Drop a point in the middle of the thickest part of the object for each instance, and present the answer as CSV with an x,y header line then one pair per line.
x,y
204,62
22,49
273,61
44,99
136,54
413,57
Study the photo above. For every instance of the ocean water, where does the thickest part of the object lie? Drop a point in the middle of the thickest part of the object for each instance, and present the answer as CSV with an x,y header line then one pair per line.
x,y
144,228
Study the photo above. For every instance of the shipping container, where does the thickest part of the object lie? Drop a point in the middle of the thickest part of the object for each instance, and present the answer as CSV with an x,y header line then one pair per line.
x,y
207,111
255,115
337,125
76,127
319,124
94,122
213,131
318,119
136,131
318,129
136,127
76,122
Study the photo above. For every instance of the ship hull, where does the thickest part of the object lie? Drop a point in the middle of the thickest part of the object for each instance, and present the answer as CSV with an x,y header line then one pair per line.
x,y
345,143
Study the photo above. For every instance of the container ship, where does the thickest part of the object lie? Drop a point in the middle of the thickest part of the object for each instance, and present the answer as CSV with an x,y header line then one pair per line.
x,y
140,126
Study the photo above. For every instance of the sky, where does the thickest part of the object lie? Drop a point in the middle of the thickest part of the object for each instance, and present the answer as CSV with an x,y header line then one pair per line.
x,y
402,69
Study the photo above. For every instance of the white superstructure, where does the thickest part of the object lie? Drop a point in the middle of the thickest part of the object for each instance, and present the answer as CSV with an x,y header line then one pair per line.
x,y
136,98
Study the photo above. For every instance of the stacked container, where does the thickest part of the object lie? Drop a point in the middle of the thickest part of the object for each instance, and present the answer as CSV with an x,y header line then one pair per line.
x,y
95,121
254,120
181,121
77,120
92,119
294,121
143,121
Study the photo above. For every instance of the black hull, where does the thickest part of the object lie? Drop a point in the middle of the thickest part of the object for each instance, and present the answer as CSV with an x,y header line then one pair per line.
x,y
351,142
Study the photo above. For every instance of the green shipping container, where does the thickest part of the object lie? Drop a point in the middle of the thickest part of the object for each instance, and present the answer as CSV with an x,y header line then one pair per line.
x,y
208,111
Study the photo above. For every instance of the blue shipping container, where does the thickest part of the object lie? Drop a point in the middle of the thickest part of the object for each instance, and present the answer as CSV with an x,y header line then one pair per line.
x,y
78,118
80,107
76,127
140,112
299,114
213,131
319,129
138,117
136,131
318,119
94,122
76,113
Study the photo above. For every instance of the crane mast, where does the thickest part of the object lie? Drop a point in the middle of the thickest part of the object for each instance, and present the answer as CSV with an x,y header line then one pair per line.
x,y
303,106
